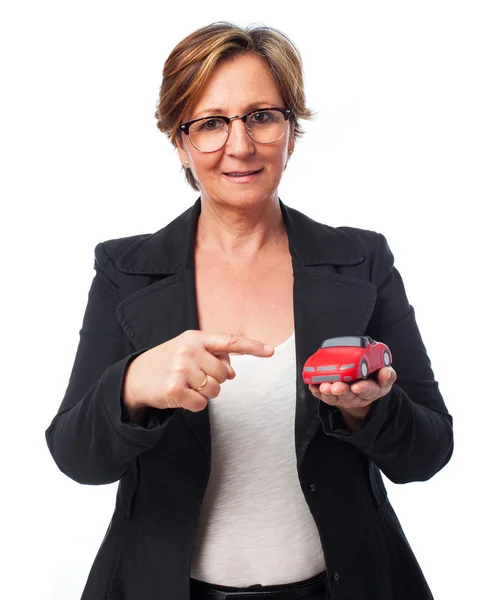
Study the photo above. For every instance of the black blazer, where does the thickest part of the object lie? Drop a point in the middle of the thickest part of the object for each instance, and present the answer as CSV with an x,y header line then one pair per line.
x,y
143,294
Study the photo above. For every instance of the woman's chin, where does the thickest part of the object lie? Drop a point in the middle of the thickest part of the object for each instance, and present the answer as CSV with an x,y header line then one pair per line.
x,y
241,196
245,199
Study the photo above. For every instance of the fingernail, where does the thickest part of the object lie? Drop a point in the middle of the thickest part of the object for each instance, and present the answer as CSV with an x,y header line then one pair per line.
x,y
268,348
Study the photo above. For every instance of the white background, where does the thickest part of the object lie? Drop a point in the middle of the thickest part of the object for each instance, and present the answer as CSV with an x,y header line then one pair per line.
x,y
402,144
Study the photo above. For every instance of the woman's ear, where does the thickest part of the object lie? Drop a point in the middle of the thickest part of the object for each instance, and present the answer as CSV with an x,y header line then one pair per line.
x,y
291,140
182,153
290,145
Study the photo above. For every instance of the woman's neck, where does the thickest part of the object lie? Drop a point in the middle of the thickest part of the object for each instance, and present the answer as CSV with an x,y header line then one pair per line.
x,y
242,233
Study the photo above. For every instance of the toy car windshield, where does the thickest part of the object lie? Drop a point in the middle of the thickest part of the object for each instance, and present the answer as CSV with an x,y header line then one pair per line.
x,y
350,340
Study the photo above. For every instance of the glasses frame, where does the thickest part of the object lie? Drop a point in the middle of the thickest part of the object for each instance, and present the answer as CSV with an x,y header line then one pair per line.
x,y
185,127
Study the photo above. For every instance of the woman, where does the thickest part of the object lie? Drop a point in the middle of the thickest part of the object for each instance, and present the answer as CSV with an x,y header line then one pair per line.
x,y
234,476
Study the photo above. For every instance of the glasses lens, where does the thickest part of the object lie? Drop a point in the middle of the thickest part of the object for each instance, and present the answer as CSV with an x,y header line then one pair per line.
x,y
209,134
266,126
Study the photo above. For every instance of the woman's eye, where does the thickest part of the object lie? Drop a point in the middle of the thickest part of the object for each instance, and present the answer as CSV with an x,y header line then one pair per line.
x,y
261,117
211,124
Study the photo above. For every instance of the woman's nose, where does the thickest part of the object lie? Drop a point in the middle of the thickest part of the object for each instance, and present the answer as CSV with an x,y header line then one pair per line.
x,y
239,143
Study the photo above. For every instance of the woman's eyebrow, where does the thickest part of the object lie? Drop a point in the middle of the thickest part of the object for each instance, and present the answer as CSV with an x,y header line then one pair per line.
x,y
207,111
220,111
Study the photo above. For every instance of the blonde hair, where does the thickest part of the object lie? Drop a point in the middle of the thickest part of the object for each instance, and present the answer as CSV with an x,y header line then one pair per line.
x,y
191,62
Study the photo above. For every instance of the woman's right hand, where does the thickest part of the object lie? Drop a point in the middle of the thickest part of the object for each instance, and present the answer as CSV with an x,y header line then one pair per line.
x,y
169,375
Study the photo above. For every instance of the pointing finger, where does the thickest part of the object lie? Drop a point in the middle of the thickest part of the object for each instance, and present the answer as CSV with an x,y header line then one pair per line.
x,y
218,343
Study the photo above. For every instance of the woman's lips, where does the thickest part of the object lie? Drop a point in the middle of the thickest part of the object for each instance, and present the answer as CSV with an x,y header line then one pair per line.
x,y
242,176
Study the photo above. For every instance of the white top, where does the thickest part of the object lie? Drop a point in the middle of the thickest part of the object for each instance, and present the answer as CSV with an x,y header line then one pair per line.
x,y
255,525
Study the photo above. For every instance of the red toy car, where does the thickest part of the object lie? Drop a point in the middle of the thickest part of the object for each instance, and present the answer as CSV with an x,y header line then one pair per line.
x,y
346,359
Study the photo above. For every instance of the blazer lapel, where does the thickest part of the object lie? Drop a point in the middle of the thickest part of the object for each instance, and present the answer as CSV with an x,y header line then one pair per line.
x,y
326,303
162,304
158,311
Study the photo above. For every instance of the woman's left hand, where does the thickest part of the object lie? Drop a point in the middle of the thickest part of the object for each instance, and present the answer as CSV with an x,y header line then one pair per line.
x,y
354,399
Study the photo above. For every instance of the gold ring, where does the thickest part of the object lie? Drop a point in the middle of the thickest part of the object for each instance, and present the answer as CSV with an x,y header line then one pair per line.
x,y
201,386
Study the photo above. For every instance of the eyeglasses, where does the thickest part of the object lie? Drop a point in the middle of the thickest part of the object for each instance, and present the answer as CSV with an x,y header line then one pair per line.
x,y
263,125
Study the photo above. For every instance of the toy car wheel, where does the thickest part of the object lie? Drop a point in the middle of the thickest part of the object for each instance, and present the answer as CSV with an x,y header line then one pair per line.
x,y
386,358
364,369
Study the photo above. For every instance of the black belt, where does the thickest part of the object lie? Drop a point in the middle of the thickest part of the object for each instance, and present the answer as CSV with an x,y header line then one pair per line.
x,y
199,590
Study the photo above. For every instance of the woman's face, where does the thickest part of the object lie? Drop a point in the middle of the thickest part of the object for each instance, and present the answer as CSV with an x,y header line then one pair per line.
x,y
235,87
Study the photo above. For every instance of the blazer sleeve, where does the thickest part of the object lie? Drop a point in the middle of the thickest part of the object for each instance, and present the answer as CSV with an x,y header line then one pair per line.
x,y
407,433
90,438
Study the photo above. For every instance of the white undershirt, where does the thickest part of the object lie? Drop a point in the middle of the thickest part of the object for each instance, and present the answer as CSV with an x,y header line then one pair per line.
x,y
255,525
